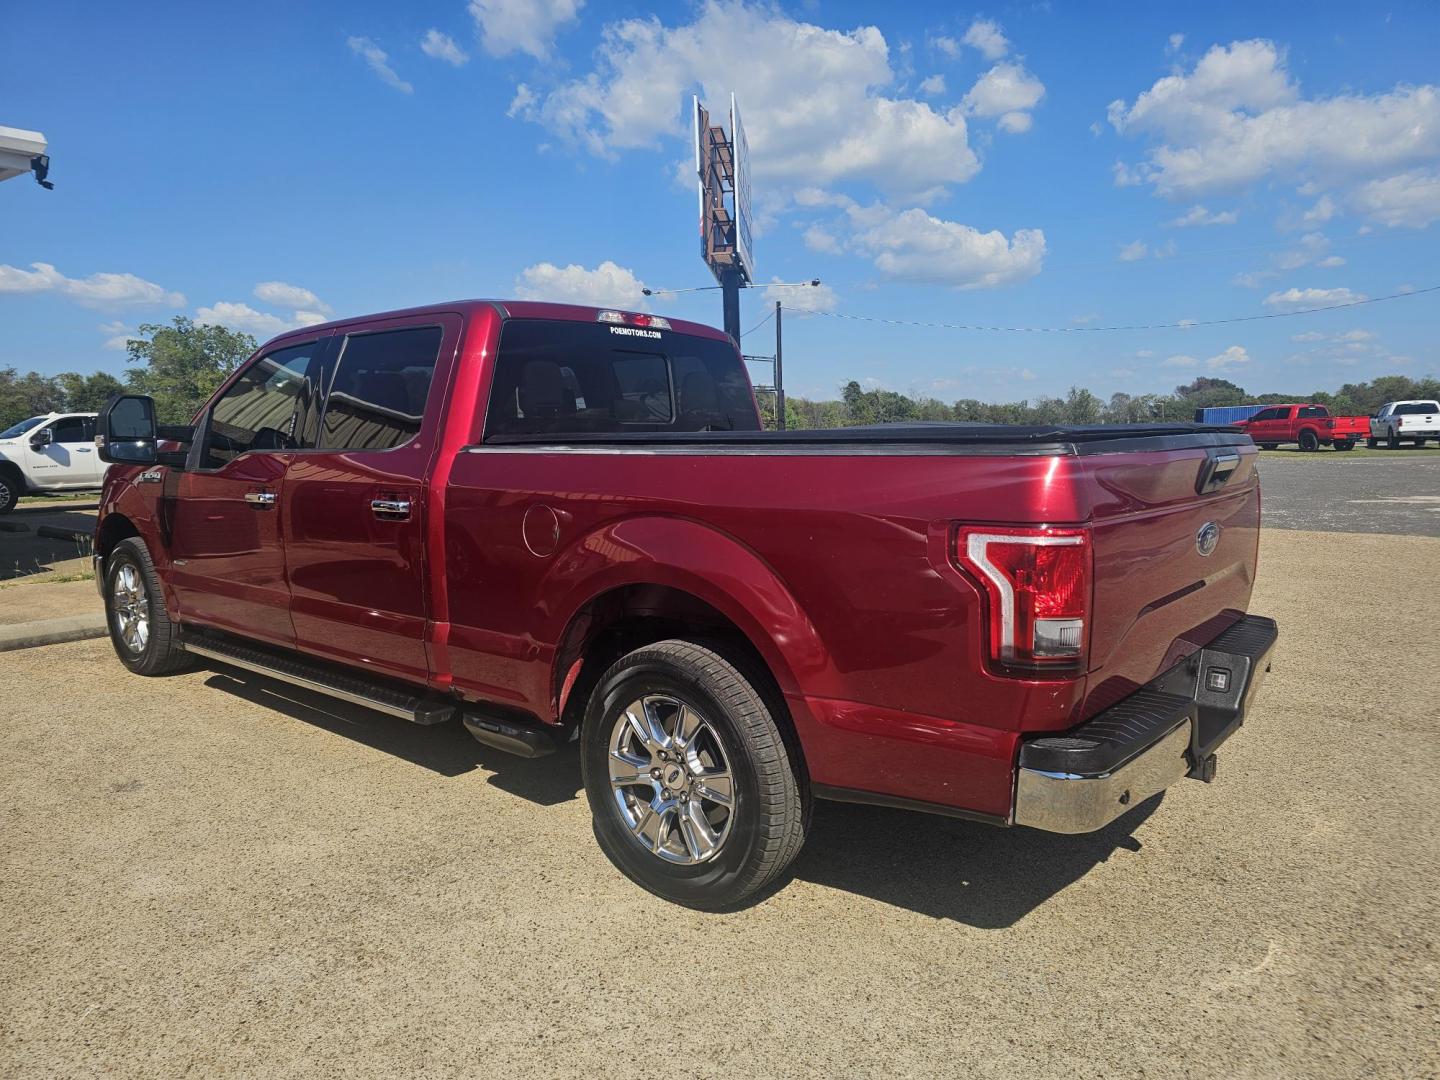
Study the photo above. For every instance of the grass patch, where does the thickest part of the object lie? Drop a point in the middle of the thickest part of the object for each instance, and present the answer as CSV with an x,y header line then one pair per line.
x,y
1326,453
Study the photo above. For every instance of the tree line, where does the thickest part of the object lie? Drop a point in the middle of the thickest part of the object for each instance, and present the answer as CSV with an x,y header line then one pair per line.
x,y
857,405
180,365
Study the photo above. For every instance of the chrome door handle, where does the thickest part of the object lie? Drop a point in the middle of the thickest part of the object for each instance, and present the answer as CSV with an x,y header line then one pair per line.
x,y
260,500
390,508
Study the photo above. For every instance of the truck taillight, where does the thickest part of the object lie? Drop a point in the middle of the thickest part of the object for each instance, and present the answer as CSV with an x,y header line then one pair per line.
x,y
1037,586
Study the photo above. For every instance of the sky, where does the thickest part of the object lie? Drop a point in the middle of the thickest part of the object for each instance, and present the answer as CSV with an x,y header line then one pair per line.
x,y
1054,165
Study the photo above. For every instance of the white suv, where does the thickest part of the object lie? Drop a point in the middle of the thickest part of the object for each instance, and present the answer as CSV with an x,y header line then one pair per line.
x,y
55,452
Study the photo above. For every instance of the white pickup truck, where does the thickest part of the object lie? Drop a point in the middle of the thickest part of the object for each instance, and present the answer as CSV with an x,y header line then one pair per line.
x,y
55,452
1397,420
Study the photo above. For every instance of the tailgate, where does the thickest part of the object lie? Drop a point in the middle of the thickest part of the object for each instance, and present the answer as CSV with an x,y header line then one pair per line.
x,y
1175,541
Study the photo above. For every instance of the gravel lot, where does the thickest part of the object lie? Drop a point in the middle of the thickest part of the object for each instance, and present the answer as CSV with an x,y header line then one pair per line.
x,y
213,874
1333,492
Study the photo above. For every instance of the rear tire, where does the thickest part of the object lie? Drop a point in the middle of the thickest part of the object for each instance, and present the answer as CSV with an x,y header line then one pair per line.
x,y
698,799
1344,444
1419,444
145,639
1309,441
1372,443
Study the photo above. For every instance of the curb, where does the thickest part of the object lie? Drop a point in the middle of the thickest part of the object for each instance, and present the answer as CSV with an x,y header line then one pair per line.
x,y
27,635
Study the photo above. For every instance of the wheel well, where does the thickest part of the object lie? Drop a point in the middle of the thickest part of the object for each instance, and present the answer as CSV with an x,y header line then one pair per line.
x,y
117,527
13,473
625,619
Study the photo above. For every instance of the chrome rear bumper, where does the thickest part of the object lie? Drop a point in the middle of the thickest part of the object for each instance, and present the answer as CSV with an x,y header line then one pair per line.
x,y
1082,779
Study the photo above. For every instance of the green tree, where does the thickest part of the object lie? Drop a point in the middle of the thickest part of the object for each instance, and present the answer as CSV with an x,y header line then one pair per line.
x,y
183,364
23,396
88,393
1207,393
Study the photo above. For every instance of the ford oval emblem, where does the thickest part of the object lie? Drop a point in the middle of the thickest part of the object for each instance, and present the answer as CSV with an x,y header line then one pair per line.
x,y
1208,538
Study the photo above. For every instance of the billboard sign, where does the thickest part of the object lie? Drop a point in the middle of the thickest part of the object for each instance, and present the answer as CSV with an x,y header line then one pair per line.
x,y
744,248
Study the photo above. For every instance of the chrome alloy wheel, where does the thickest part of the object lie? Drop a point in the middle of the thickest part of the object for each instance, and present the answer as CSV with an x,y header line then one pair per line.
x,y
131,608
671,780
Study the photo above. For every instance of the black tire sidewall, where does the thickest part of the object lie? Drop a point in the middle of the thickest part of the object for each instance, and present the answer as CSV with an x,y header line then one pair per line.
x,y
10,496
694,885
147,661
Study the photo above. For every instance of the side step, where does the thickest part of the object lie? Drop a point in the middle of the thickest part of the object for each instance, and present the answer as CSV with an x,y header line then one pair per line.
x,y
524,740
418,708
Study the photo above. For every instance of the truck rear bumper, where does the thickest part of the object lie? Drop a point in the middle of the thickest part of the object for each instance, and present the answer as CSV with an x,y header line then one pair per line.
x,y
1085,778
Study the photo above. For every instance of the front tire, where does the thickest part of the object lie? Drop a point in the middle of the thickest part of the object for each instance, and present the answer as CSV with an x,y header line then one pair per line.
x,y
1393,442
695,794
11,488
145,639
1269,445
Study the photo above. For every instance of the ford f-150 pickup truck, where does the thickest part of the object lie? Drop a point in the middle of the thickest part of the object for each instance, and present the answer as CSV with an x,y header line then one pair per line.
x,y
1397,420
552,522
1311,426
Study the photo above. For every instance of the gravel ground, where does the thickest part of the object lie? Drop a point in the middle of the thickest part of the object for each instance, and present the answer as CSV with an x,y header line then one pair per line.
x,y
1333,492
207,875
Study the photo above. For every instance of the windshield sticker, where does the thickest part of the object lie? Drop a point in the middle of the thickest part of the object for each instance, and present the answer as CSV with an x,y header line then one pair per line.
x,y
633,331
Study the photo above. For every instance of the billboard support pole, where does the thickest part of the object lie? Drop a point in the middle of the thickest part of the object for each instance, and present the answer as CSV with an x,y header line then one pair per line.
x,y
779,375
730,297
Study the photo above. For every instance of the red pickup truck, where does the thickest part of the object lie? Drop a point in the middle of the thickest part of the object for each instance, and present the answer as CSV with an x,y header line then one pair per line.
x,y
553,522
1311,426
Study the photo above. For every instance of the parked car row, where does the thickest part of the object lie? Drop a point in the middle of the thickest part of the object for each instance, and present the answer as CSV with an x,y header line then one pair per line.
x,y
1311,426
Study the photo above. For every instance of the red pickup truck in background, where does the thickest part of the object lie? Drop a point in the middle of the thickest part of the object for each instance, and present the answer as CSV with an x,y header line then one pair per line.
x,y
552,522
1311,426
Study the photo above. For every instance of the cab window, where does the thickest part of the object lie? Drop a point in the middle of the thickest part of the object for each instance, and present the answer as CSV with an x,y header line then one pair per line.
x,y
73,429
260,409
377,397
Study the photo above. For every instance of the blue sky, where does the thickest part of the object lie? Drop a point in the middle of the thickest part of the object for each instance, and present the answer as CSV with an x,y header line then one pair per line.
x,y
1052,164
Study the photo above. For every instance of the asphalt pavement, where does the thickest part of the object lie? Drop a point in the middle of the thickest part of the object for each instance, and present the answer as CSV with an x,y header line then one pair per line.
x,y
1328,491
213,874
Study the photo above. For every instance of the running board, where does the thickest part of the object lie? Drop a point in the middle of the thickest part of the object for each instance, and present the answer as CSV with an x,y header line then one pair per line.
x,y
315,675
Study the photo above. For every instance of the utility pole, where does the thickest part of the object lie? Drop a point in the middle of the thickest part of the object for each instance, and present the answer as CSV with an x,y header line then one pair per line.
x,y
779,375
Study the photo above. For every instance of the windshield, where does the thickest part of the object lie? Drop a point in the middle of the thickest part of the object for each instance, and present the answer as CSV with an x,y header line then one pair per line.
x,y
22,427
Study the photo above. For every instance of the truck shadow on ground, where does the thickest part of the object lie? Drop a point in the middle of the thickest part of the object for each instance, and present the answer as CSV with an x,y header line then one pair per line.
x,y
946,868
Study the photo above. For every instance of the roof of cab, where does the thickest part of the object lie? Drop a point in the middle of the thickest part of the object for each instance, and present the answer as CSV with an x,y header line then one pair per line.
x,y
508,309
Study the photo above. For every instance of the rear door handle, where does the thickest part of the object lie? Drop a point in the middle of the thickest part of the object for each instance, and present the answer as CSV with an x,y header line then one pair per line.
x,y
392,509
260,500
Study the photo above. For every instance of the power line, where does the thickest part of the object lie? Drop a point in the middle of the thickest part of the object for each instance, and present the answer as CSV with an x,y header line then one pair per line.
x,y
1185,324
761,323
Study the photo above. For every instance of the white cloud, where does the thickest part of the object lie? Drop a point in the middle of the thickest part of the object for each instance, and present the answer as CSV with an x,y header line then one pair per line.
x,y
1133,251
1312,247
948,45
1233,357
242,317
441,46
1085,320
935,84
818,238
1015,123
1179,362
1313,298
1322,211
1331,261
96,291
1026,375
117,334
1253,279
1174,43
852,131
1198,215
1005,88
379,62
608,285
1308,335
526,26
310,318
1238,116
985,35
1411,198
912,245
810,298
281,294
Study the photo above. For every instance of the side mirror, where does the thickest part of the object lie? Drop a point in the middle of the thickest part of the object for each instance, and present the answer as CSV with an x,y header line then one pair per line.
x,y
43,437
126,431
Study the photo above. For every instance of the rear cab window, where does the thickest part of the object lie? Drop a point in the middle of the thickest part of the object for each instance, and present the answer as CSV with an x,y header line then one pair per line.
x,y
557,377
377,396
